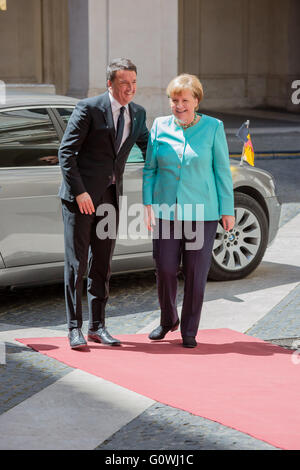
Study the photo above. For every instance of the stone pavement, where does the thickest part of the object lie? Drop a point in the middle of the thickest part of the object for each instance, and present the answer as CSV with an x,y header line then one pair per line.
x,y
271,132
158,426
33,388
162,427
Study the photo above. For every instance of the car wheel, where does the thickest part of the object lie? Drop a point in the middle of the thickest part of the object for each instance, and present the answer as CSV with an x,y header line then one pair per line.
x,y
238,252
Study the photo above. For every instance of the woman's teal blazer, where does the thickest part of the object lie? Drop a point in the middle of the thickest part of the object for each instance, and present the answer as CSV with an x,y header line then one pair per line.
x,y
188,169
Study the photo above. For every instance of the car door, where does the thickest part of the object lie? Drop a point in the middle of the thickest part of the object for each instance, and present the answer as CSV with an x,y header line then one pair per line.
x,y
31,230
133,236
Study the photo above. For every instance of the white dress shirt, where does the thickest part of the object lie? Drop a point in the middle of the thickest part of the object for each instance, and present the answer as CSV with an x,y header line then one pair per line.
x,y
115,107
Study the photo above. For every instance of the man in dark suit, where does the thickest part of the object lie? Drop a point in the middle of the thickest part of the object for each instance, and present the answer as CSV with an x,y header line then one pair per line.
x,y
93,153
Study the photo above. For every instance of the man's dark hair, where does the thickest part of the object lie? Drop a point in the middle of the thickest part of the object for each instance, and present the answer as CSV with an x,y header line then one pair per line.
x,y
119,64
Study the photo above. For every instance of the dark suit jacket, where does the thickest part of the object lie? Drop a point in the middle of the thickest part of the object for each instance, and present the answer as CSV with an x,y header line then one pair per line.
x,y
87,154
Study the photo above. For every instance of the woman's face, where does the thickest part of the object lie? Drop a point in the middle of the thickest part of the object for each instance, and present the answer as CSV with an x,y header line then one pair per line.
x,y
183,106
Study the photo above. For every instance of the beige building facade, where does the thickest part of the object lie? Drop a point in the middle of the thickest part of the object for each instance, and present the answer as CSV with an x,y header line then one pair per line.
x,y
246,52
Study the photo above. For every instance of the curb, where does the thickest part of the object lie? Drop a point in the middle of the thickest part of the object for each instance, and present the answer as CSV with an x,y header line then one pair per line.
x,y
270,155
266,130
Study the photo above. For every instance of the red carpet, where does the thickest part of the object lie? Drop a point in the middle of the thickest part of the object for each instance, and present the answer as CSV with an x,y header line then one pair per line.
x,y
234,379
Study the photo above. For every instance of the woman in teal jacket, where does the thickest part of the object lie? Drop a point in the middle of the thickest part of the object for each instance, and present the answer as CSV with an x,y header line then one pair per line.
x,y
187,188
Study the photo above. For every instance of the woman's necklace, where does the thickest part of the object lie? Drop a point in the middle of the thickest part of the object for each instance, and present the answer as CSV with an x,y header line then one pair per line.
x,y
186,126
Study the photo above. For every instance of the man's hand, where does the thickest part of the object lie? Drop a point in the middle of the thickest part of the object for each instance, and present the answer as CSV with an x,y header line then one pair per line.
x,y
85,203
228,222
149,217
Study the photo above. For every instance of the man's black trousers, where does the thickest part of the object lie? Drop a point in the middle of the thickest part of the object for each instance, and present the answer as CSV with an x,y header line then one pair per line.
x,y
86,252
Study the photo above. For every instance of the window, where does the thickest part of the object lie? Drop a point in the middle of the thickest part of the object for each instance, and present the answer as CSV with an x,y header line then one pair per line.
x,y
27,138
135,155
65,114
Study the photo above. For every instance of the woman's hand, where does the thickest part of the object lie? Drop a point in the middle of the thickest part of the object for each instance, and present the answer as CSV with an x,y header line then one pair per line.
x,y
228,222
149,217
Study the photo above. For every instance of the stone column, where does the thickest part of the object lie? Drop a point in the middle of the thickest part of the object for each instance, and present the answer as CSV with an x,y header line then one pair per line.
x,y
88,46
79,48
146,32
98,45
141,30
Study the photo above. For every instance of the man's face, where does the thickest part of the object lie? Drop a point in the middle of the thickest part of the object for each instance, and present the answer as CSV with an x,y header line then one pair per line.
x,y
123,87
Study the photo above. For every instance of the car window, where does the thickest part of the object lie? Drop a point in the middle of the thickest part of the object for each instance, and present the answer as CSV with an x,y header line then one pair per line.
x,y
135,155
65,114
27,138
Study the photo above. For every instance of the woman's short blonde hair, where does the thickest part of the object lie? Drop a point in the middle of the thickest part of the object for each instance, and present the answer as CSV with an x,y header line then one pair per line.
x,y
185,81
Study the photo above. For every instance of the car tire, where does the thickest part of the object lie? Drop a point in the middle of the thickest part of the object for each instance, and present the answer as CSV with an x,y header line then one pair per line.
x,y
237,253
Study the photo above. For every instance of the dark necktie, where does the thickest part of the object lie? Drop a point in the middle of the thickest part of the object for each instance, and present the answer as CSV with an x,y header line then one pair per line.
x,y
120,128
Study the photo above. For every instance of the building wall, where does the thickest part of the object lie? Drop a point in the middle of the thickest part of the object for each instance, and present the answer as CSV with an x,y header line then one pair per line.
x,y
34,43
21,42
246,52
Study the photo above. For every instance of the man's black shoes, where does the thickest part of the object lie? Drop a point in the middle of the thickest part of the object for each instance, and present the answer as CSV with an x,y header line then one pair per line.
x,y
161,331
102,336
76,338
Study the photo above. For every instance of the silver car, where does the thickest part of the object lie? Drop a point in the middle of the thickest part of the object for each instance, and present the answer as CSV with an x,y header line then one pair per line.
x,y
31,228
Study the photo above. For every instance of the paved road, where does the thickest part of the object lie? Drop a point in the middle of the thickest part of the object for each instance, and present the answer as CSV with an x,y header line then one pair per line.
x,y
271,132
265,305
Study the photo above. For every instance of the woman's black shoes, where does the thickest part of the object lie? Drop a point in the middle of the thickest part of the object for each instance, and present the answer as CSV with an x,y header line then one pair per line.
x,y
161,331
189,342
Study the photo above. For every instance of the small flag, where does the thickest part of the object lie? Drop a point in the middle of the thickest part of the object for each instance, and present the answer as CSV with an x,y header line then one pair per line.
x,y
248,151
